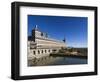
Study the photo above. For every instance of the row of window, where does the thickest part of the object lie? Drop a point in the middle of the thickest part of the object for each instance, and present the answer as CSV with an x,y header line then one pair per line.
x,y
42,51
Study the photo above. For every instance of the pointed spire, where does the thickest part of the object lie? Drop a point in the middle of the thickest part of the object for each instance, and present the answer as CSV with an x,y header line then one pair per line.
x,y
36,27
64,40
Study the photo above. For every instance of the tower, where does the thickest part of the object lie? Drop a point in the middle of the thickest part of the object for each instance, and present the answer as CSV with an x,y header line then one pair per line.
x,y
35,32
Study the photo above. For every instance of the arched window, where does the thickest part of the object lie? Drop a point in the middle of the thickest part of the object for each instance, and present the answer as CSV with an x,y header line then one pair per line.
x,y
42,51
38,52
33,52
48,50
45,51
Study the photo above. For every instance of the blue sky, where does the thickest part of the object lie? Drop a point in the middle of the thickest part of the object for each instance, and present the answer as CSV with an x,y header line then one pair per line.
x,y
74,29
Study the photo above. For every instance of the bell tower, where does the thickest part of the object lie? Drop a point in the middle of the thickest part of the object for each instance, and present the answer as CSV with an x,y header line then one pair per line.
x,y
36,32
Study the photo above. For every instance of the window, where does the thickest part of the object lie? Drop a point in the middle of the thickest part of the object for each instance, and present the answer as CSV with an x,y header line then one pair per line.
x,y
38,52
48,50
33,52
42,51
45,51
41,34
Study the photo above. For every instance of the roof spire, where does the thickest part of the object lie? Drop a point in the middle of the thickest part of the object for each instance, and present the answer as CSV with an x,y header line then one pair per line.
x,y
36,27
64,40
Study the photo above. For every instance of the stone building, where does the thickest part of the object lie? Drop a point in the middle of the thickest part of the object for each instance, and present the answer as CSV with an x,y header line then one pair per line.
x,y
39,44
